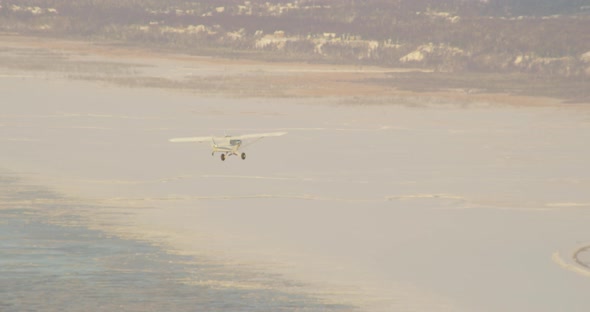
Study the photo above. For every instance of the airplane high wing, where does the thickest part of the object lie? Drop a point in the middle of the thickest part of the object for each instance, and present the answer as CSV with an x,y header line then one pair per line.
x,y
191,140
261,135
227,145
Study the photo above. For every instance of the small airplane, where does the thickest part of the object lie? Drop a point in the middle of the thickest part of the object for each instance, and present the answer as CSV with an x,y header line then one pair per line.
x,y
228,145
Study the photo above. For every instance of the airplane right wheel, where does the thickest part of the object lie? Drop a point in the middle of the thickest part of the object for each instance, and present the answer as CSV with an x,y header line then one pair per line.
x,y
243,155
222,157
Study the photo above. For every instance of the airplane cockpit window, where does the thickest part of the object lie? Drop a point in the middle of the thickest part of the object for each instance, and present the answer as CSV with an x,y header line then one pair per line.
x,y
235,142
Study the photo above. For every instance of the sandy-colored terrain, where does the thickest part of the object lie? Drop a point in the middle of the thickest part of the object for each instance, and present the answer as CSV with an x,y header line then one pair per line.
x,y
231,77
376,198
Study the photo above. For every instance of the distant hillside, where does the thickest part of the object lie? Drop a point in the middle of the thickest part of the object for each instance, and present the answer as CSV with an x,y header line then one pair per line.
x,y
547,37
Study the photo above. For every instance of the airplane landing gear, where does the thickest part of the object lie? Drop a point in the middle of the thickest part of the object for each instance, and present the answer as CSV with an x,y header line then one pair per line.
x,y
243,155
222,157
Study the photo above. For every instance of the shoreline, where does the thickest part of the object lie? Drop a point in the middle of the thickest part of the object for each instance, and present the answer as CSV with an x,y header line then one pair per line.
x,y
55,258
271,79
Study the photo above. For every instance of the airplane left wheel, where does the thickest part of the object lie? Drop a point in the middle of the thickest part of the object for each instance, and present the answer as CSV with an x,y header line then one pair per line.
x,y
222,157
243,155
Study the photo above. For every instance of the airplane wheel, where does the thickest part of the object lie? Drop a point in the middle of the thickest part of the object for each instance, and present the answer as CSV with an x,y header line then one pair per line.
x,y
243,155
222,157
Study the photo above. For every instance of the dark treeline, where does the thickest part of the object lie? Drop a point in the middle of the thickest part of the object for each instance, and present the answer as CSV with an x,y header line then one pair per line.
x,y
544,36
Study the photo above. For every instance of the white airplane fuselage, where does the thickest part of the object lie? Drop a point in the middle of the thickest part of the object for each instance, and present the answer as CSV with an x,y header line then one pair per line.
x,y
225,145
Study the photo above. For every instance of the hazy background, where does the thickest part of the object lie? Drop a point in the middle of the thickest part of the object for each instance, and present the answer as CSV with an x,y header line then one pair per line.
x,y
422,169
352,200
